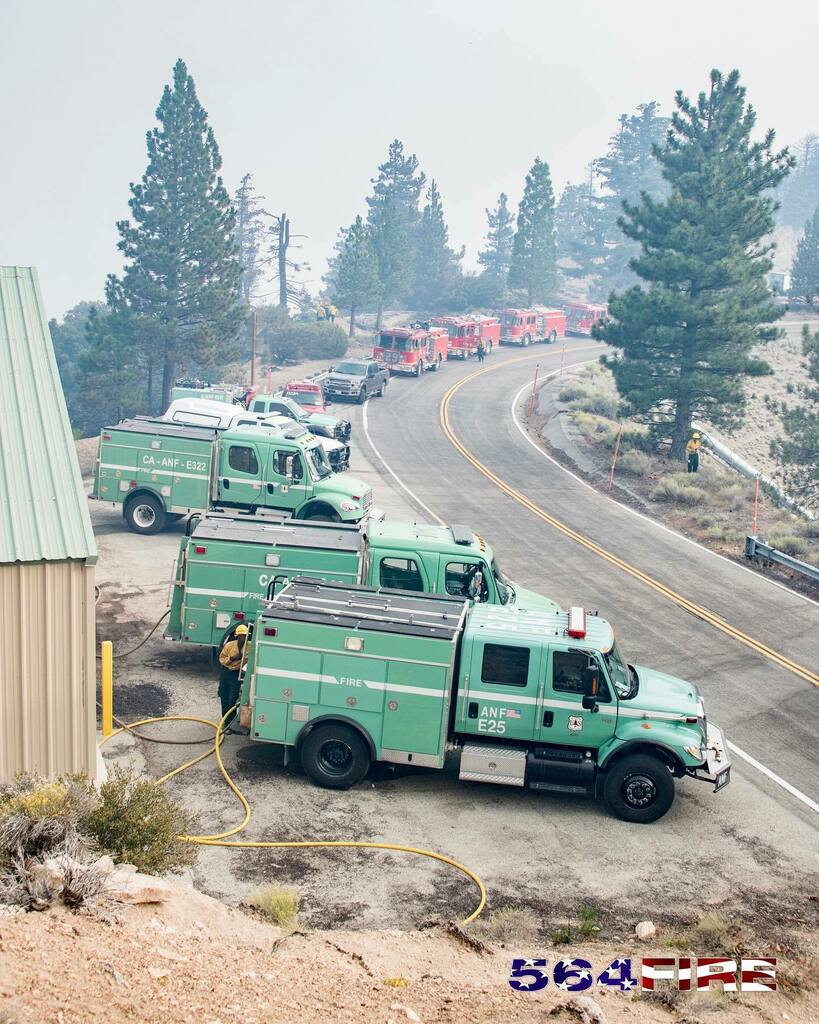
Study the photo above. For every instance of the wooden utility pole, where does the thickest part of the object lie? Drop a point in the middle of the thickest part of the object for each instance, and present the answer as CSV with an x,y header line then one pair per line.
x,y
253,346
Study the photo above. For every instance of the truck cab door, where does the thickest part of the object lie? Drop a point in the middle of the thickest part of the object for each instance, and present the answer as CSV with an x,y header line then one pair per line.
x,y
401,570
498,690
562,718
240,479
286,480
467,577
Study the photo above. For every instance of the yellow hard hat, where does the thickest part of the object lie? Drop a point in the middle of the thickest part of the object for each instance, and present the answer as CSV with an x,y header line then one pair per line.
x,y
241,630
696,434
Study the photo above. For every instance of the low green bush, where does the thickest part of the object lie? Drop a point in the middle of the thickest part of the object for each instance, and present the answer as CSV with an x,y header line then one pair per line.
x,y
596,429
599,403
571,393
792,545
635,463
137,822
517,926
589,922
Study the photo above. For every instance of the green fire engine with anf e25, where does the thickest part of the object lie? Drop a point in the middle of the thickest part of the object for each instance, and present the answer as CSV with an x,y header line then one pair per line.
x,y
512,696
230,565
159,471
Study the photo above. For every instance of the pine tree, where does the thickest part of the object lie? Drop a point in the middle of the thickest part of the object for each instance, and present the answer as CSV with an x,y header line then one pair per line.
x,y
799,449
685,338
534,252
628,169
181,276
805,270
799,194
393,221
251,228
496,256
579,226
281,244
353,279
437,270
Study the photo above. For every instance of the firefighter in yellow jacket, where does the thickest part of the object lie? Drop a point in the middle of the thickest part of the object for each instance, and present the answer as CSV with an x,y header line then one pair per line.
x,y
692,450
230,658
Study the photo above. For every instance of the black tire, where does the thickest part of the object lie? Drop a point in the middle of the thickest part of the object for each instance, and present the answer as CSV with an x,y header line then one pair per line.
x,y
145,514
437,365
526,340
639,788
419,367
362,395
553,337
335,756
381,389
323,514
174,517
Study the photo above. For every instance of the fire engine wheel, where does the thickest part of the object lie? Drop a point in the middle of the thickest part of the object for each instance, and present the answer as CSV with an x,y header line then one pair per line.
x,y
144,514
436,366
419,368
526,340
640,788
335,756
553,337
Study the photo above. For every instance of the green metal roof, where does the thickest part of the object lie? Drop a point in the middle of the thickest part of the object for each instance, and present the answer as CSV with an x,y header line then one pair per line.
x,y
43,507
441,539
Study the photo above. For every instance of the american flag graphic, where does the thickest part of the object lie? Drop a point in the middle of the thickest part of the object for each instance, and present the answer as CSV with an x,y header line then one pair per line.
x,y
511,713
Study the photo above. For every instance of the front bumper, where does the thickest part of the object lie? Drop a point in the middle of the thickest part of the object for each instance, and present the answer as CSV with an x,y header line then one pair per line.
x,y
343,430
717,766
339,458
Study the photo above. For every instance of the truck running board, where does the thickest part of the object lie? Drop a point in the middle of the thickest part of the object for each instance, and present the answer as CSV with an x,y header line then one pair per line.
x,y
505,766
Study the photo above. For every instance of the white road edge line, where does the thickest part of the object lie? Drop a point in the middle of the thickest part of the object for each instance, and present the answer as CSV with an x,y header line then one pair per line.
x,y
634,512
803,797
392,473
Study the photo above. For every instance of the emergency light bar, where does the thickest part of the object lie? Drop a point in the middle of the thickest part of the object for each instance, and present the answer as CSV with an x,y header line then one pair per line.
x,y
577,623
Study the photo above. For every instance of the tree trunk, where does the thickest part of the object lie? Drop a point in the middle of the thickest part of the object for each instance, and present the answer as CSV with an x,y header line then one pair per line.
x,y
284,242
149,404
378,317
168,377
681,431
352,320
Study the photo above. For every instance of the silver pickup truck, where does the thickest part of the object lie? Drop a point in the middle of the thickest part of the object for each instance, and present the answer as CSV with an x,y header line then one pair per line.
x,y
356,379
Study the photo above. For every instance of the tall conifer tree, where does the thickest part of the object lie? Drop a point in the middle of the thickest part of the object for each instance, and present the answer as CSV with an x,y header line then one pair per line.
x,y
805,270
685,337
437,267
496,256
353,278
182,273
534,252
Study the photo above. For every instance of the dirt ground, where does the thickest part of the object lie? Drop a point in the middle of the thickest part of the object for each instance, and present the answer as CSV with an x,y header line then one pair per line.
x,y
193,959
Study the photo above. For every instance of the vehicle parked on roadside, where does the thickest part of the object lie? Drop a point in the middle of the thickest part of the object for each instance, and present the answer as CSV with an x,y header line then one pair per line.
x,y
411,349
581,317
159,471
202,412
213,393
309,394
324,423
356,379
464,333
228,568
350,675
529,326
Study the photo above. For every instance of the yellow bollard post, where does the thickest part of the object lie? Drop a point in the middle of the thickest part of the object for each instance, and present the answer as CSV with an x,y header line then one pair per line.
x,y
107,680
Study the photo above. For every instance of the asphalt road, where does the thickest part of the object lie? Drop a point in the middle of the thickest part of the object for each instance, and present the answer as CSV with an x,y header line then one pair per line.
x,y
766,710
751,850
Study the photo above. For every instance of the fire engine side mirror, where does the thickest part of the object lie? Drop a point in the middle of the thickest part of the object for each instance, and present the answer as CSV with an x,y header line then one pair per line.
x,y
289,464
591,687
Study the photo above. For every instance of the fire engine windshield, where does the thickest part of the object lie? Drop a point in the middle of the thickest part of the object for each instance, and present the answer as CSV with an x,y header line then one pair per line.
x,y
502,583
509,320
306,397
399,344
319,465
622,675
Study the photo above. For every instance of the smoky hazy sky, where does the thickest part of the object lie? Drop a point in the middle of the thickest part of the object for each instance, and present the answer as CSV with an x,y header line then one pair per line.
x,y
308,95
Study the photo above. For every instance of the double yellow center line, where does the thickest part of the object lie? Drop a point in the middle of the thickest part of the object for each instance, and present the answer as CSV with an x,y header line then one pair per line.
x,y
661,588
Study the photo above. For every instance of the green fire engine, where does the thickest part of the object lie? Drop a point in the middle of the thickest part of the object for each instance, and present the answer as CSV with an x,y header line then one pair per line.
x,y
350,675
160,471
230,565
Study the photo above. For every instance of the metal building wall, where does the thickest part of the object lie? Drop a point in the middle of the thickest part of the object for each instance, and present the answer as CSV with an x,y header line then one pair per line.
x,y
47,668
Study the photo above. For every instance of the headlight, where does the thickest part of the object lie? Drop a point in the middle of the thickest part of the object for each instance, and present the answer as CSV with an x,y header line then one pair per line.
x,y
697,752
348,506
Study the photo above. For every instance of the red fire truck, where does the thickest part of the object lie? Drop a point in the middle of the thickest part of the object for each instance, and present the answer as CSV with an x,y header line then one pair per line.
x,y
526,326
466,331
411,349
580,318
308,394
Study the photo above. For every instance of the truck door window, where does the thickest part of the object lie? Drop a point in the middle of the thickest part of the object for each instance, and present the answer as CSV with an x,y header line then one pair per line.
x,y
401,573
243,459
283,410
504,665
279,462
459,575
258,407
567,674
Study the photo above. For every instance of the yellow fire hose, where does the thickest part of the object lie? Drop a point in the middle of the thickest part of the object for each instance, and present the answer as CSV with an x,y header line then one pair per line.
x,y
220,838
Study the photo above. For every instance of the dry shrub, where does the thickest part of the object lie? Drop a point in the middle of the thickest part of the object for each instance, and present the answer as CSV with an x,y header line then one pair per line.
x,y
810,528
508,926
635,463
668,489
137,822
779,537
280,905
712,932
571,393
599,403
597,429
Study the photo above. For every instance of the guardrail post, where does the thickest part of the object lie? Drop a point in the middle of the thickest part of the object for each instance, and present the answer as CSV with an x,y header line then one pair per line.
x,y
755,524
107,680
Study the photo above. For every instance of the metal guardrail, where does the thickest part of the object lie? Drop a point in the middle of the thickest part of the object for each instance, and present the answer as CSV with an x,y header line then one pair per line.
x,y
758,551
